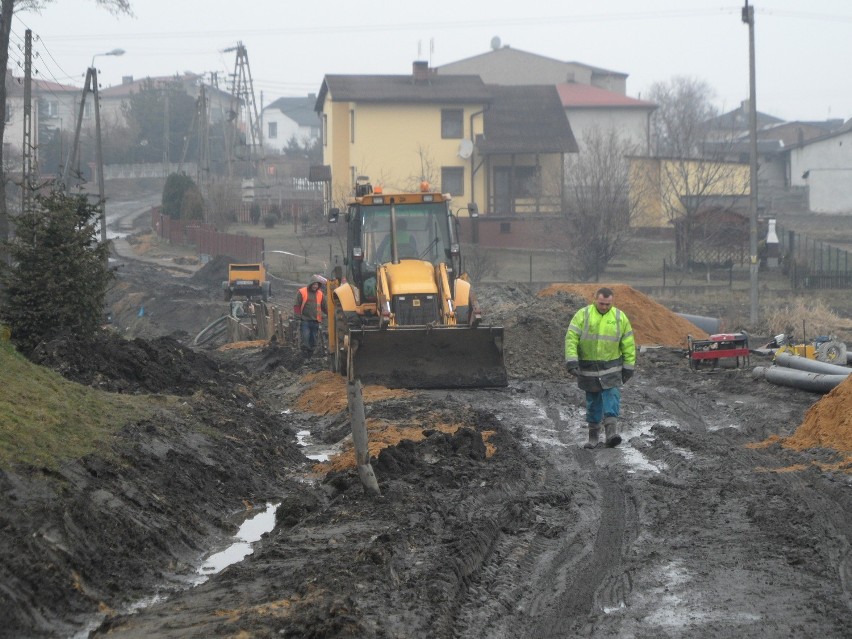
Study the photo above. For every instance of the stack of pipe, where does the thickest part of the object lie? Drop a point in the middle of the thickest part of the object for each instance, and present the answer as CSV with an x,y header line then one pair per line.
x,y
801,372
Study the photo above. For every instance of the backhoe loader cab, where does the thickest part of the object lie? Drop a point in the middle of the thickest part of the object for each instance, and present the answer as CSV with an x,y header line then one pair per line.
x,y
404,316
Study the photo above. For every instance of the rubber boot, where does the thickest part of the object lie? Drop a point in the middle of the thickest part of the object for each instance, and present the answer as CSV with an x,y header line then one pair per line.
x,y
594,436
611,435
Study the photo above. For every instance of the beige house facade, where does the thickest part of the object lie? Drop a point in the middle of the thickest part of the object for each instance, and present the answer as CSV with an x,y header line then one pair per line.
x,y
499,147
666,189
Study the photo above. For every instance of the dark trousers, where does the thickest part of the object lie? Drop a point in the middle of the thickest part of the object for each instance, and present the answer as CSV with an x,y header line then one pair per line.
x,y
309,333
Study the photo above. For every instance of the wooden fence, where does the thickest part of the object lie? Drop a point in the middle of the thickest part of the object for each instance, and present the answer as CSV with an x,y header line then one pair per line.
x,y
262,322
206,239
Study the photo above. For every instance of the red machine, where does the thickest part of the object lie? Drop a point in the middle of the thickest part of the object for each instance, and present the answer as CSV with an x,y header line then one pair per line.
x,y
717,347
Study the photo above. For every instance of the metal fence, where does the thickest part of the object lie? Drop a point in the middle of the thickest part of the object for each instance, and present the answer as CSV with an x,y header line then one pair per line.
x,y
813,264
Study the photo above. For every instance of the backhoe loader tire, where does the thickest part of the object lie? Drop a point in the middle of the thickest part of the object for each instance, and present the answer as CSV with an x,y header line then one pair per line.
x,y
832,352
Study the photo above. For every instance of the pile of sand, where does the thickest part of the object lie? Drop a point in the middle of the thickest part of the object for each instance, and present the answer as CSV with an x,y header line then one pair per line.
x,y
653,323
827,424
325,394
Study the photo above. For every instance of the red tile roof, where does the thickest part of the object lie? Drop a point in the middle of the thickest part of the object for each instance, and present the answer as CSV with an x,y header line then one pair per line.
x,y
577,95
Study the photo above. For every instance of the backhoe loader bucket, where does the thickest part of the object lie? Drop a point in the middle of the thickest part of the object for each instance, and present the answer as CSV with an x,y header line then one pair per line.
x,y
429,357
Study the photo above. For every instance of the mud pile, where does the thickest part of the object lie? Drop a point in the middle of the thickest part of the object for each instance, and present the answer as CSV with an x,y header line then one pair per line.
x,y
112,363
214,272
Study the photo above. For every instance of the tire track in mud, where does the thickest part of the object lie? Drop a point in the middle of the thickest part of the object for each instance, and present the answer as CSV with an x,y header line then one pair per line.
x,y
736,550
565,564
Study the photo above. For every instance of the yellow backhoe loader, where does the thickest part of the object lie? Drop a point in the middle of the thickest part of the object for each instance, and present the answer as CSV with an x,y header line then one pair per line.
x,y
402,314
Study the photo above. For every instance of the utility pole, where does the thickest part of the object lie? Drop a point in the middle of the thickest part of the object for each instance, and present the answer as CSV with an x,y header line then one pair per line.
x,y
72,152
242,91
748,18
166,158
91,85
99,157
27,175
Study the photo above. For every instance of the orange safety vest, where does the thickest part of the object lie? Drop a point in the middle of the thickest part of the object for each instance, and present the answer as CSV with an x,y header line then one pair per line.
x,y
304,292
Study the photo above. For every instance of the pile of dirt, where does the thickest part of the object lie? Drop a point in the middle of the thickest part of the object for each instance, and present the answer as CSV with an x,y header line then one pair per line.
x,y
535,323
827,424
214,272
653,324
112,363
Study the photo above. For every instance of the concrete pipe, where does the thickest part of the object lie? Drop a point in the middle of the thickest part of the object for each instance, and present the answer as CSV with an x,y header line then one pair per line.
x,y
789,360
804,380
710,325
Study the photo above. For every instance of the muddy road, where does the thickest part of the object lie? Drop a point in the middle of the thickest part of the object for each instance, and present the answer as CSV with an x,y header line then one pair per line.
x,y
493,522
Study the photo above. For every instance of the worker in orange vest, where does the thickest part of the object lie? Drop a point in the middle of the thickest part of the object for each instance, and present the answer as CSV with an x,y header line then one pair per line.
x,y
309,307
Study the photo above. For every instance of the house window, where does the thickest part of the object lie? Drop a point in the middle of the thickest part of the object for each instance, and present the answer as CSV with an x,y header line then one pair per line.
x,y
352,125
452,123
452,180
324,127
272,130
505,227
526,181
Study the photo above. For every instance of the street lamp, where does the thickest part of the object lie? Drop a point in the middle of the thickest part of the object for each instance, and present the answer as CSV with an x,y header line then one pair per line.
x,y
113,52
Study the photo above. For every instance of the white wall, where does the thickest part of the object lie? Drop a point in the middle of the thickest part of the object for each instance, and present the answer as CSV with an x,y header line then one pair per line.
x,y
287,128
828,165
631,124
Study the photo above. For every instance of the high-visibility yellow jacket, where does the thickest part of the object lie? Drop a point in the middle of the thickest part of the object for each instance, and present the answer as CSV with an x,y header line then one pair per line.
x,y
602,346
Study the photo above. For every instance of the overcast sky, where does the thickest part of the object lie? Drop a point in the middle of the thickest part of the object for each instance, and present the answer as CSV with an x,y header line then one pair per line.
x,y
803,48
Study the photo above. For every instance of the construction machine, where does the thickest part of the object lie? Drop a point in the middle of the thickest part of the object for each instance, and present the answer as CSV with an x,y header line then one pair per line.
x,y
825,348
247,279
400,312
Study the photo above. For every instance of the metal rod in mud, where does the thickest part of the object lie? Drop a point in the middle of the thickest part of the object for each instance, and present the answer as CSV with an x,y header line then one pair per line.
x,y
355,398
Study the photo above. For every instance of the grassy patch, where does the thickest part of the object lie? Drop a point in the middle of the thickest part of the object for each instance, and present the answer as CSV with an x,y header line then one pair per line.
x,y
45,418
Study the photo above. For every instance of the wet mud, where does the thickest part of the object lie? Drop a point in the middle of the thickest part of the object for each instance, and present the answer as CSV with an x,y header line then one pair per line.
x,y
493,520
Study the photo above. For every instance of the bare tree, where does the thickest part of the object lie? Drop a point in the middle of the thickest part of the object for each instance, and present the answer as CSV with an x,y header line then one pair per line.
x,y
598,208
428,170
692,168
480,263
7,9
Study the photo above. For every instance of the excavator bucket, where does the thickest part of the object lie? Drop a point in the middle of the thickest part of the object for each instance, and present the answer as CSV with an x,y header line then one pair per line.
x,y
429,357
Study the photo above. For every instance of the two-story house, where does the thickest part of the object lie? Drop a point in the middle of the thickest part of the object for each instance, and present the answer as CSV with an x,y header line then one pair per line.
x,y
501,147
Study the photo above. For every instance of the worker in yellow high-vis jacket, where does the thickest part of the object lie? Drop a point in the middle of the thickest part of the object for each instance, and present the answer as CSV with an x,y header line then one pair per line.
x,y
601,353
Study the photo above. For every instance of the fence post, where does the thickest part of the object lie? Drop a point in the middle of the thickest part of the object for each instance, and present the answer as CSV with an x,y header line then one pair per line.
x,y
664,272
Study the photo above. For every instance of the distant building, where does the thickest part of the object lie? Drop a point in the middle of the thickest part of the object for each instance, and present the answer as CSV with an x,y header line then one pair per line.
x,y
508,66
824,165
589,107
289,118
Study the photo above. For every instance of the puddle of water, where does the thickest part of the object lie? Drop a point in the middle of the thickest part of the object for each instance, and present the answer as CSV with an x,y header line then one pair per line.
x,y
251,530
316,452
